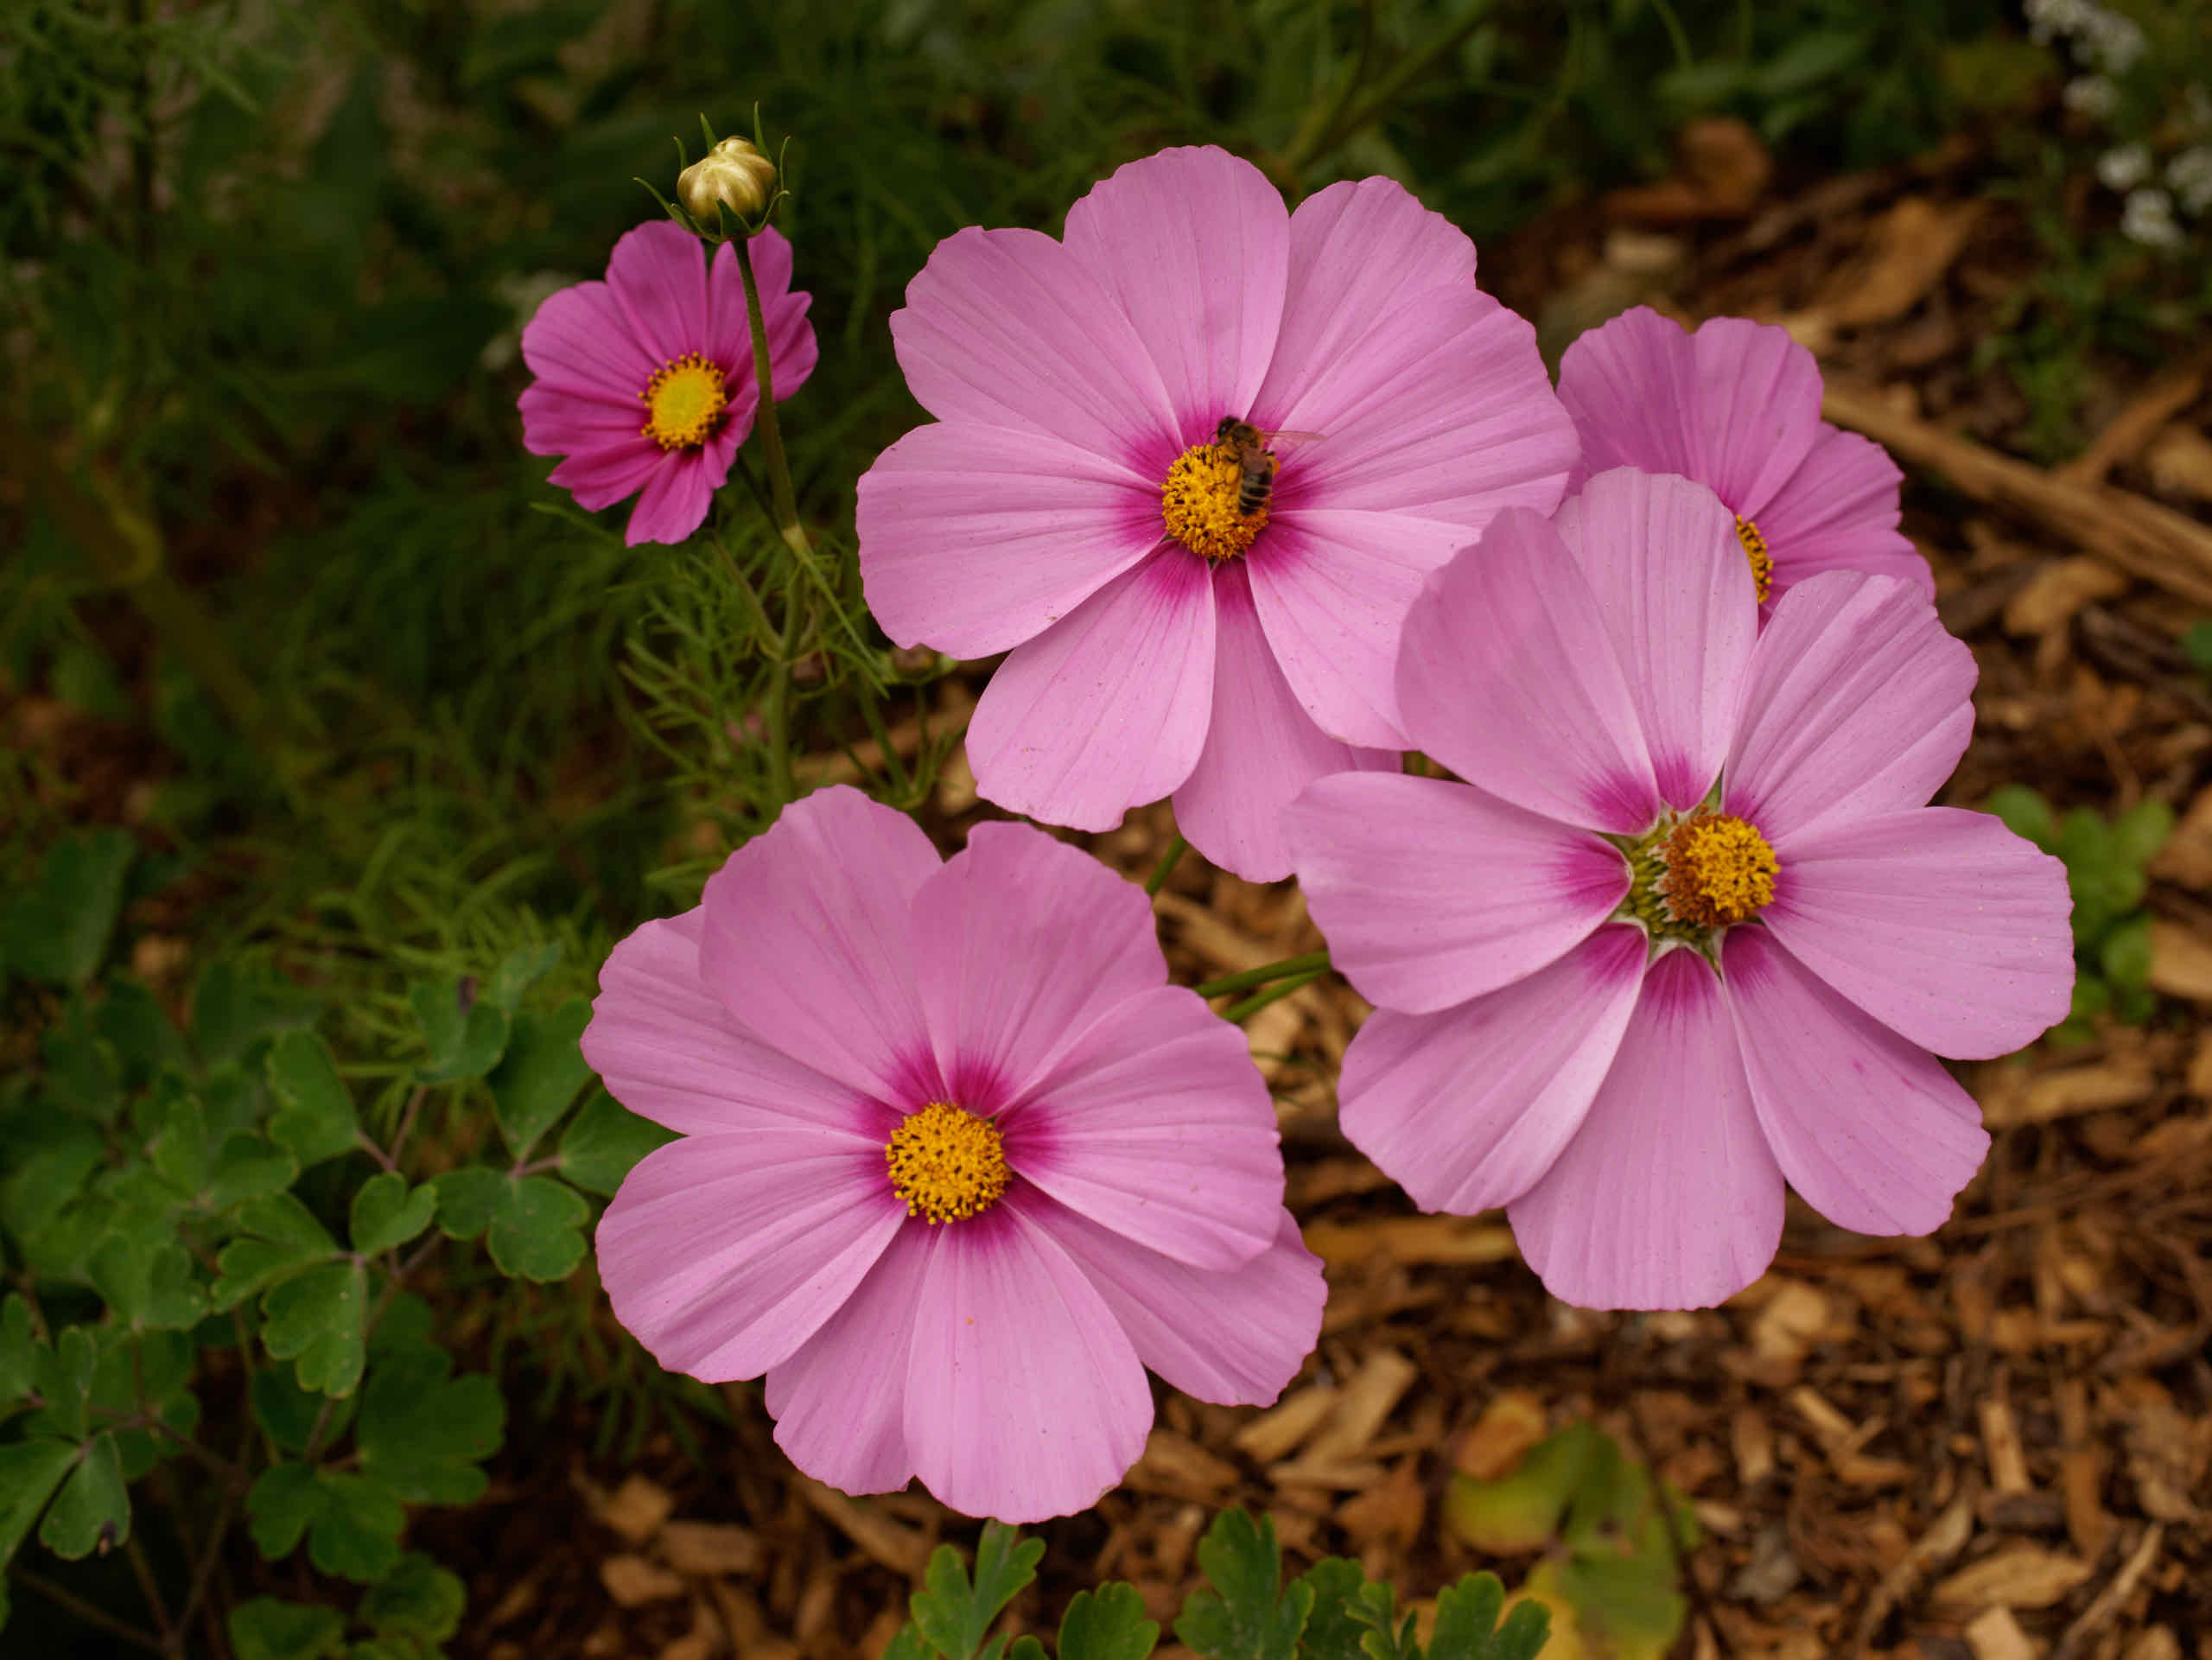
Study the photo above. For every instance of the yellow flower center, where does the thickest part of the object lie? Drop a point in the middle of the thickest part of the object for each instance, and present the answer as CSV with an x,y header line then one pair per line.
x,y
685,400
1698,873
1199,502
1755,550
946,1163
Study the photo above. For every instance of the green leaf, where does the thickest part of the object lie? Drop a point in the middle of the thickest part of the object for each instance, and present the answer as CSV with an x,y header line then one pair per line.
x,y
233,1008
279,1506
2026,814
29,1471
953,1612
46,1164
317,1319
316,1118
65,1379
287,1413
2124,954
131,1020
461,1043
537,1231
1248,1615
424,1433
247,1168
145,1274
93,1511
417,1599
541,1073
352,1524
386,1214
84,1074
1332,1631
1466,1623
20,1349
284,1238
2197,641
2140,831
908,1645
265,1629
604,1140
468,1198
1024,1648
1108,1623
521,968
55,928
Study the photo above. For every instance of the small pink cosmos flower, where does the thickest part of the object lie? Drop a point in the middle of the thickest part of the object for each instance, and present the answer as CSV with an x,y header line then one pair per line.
x,y
1696,935
1736,406
956,1164
1173,630
644,381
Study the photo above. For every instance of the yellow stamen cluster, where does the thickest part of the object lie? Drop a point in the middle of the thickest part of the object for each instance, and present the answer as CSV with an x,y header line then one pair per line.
x,y
686,403
946,1163
1719,871
1198,503
1755,550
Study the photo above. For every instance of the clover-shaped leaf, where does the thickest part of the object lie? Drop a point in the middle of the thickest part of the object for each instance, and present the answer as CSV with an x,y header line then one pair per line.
x,y
317,1320
463,1041
65,1380
417,1599
282,1239
315,1116
29,1471
55,927
145,1274
519,969
536,1231
20,1348
93,1511
386,1214
604,1140
468,1198
352,1524
266,1629
423,1431
541,1073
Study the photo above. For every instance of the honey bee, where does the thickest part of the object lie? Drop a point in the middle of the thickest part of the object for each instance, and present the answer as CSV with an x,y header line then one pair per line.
x,y
1257,457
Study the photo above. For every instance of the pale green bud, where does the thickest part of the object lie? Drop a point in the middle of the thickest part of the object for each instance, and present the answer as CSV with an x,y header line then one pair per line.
x,y
734,176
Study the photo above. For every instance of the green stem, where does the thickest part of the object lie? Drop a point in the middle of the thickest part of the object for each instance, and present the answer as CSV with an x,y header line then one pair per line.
x,y
1408,70
776,715
90,1614
1166,867
1251,1006
1312,963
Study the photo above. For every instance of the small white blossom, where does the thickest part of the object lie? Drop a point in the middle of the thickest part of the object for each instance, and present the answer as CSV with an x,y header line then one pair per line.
x,y
2114,42
2091,95
2124,167
2049,19
2189,174
2148,218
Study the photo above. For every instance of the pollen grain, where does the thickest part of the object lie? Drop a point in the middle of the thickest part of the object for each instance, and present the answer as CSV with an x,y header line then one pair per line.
x,y
946,1163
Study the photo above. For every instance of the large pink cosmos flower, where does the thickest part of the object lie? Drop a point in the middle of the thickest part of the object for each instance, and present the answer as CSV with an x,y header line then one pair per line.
x,y
644,381
1696,934
1736,406
1071,502
957,1163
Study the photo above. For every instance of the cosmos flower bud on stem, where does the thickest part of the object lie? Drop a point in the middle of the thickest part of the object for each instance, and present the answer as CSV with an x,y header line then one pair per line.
x,y
735,175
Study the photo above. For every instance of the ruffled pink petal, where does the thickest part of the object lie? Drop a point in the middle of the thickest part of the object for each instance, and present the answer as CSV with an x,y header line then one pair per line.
x,y
722,1254
580,342
657,275
600,478
1006,329
1758,410
1667,1197
1940,924
1026,941
670,1050
1155,1124
1332,591
1234,1338
810,942
974,538
1107,708
1262,747
1676,593
1466,1108
840,1399
676,497
1871,1130
1838,511
1194,245
1431,893
1630,385
1509,676
792,349
1024,1398
1856,701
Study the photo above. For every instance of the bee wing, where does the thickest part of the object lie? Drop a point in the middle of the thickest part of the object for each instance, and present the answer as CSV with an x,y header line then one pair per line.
x,y
1288,440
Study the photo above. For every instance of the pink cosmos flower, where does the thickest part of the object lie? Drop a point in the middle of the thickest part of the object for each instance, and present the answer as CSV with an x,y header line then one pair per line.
x,y
1736,406
956,1164
1076,504
644,381
1696,934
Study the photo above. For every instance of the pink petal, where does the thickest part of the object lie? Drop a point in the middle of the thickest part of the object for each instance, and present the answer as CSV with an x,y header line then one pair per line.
x,y
1758,410
1006,329
1431,893
557,421
600,478
1194,245
1155,1124
1671,580
1332,590
974,539
668,1049
1856,701
1940,924
722,1254
579,341
1262,749
810,942
791,350
1630,385
840,1399
1869,1128
676,497
1107,708
1027,940
1508,675
657,276
1234,1338
1024,1398
1838,511
1466,1108
1668,1196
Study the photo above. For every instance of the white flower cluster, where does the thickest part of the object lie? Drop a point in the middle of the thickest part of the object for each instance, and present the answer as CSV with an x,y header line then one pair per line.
x,y
2098,39
2105,45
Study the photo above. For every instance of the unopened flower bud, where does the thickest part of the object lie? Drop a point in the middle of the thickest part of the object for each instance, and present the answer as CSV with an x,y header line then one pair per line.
x,y
733,174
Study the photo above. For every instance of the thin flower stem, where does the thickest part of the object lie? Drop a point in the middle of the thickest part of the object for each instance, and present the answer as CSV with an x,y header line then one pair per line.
x,y
1166,867
90,1613
156,1604
1310,964
776,715
1252,1006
